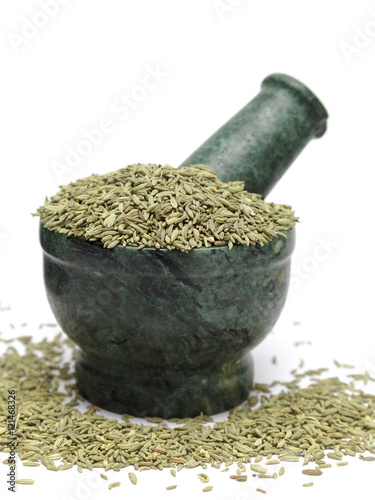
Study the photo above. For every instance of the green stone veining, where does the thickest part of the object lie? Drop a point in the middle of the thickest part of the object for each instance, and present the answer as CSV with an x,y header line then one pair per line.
x,y
167,333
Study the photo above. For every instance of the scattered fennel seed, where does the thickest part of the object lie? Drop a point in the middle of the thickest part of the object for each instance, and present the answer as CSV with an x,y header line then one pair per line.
x,y
132,477
24,481
114,485
326,416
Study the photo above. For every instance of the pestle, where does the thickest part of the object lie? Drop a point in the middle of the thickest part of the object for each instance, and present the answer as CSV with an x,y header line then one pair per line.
x,y
165,333
260,142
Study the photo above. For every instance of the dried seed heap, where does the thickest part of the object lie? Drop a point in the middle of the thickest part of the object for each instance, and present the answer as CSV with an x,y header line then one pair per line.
x,y
298,423
163,207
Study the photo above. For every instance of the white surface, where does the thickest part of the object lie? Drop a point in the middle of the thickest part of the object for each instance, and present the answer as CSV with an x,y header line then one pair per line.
x,y
70,76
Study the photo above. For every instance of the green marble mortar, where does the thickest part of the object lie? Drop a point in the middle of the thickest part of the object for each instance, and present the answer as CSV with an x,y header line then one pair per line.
x,y
166,333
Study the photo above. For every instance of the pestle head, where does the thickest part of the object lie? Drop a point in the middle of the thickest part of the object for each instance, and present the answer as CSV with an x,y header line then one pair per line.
x,y
315,108
259,143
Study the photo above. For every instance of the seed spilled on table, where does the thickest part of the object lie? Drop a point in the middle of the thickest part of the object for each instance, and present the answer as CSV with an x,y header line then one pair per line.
x,y
329,418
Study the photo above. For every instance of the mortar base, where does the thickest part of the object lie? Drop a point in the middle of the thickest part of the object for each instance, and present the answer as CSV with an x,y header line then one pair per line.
x,y
173,395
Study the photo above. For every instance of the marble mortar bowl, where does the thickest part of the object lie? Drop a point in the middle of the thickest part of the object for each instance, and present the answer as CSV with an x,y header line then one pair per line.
x,y
163,332
166,333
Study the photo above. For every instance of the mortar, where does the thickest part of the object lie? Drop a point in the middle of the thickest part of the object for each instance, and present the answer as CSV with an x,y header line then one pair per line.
x,y
167,333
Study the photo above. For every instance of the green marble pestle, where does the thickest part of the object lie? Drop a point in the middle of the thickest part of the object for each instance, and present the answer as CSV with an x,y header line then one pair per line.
x,y
166,333
259,143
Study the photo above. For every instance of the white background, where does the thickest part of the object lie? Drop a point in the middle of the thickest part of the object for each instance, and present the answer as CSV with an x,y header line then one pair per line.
x,y
65,77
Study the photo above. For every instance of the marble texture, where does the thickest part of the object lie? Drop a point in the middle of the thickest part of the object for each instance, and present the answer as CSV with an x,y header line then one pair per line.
x,y
261,141
162,332
166,333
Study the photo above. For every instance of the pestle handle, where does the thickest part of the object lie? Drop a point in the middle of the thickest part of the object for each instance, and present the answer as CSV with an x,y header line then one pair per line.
x,y
259,143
